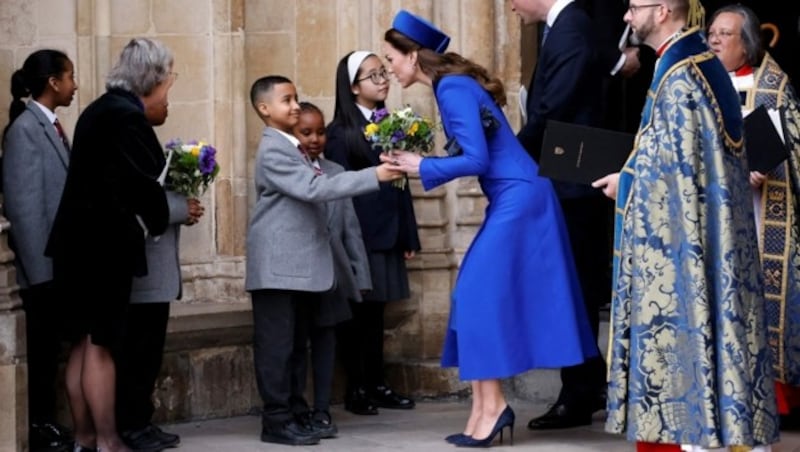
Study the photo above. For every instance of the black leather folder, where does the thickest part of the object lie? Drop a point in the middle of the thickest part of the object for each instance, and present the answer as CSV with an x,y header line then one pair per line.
x,y
764,147
582,154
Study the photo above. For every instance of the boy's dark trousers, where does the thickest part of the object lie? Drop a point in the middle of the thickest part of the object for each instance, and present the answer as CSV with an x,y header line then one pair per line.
x,y
280,337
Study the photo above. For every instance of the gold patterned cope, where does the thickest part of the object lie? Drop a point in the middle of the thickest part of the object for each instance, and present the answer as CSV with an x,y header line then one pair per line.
x,y
688,359
778,223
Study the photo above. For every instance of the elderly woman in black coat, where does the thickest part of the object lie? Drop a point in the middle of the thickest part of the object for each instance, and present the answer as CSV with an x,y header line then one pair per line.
x,y
112,201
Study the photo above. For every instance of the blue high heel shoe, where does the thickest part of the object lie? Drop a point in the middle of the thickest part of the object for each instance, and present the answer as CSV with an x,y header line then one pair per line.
x,y
456,438
506,419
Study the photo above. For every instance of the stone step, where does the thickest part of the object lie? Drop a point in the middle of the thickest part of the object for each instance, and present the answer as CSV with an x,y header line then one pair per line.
x,y
427,380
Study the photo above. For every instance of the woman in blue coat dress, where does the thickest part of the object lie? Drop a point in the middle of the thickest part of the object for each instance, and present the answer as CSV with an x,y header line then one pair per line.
x,y
517,303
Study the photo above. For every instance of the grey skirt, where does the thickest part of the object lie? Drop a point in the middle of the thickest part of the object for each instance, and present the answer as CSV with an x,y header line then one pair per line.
x,y
389,276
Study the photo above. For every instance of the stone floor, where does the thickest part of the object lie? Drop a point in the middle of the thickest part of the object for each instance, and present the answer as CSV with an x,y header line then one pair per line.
x,y
419,430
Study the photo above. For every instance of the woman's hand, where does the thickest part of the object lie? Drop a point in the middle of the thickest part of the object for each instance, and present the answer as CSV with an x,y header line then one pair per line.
x,y
407,162
757,179
196,210
409,254
608,184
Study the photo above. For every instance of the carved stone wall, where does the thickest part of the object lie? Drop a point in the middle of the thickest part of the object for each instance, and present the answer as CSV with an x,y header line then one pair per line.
x,y
13,370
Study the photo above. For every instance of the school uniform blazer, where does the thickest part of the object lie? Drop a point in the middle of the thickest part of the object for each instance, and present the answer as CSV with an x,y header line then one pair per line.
x,y
35,163
163,280
349,255
288,244
386,216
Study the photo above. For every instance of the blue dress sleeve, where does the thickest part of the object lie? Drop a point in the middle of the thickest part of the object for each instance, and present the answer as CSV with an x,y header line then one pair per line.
x,y
459,106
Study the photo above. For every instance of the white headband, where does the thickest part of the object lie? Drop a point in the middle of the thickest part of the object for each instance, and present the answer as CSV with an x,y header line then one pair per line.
x,y
354,62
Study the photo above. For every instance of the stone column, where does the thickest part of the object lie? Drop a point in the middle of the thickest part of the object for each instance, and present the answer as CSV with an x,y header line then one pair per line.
x,y
13,368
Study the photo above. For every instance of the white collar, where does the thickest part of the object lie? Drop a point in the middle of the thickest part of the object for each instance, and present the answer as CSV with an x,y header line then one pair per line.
x,y
295,142
365,111
743,82
47,112
555,10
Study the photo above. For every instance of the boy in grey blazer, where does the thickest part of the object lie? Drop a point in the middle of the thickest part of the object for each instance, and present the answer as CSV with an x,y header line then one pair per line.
x,y
289,257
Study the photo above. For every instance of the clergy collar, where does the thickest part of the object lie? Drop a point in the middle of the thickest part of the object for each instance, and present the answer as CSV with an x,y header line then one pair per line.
x,y
672,38
745,69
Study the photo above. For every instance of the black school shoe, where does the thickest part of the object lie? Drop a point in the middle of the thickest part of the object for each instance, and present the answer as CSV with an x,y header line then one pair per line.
x,y
384,397
150,438
49,436
290,433
322,425
357,402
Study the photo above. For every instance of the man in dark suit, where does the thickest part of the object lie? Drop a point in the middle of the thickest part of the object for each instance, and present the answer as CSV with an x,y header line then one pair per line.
x,y
567,86
624,84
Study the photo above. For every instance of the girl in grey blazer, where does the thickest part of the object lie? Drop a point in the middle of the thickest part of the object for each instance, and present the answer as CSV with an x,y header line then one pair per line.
x,y
351,274
35,160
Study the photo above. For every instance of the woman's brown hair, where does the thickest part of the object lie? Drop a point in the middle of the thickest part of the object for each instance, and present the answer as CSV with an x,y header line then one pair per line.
x,y
436,65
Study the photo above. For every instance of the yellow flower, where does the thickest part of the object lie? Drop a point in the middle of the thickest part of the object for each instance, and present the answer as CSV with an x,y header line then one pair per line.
x,y
195,150
371,129
413,129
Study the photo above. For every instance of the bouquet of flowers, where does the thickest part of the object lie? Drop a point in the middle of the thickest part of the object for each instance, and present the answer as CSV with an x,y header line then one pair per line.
x,y
401,129
191,167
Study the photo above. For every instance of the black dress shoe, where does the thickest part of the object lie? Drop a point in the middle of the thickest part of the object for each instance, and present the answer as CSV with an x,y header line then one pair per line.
x,y
384,397
290,433
149,439
561,416
322,424
599,402
357,402
46,436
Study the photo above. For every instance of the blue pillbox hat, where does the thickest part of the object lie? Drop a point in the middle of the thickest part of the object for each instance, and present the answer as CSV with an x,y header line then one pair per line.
x,y
420,31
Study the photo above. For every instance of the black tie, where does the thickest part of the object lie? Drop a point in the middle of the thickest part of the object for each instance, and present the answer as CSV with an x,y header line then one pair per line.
x,y
61,134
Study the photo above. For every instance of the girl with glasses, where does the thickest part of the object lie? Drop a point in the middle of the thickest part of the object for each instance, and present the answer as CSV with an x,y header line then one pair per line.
x,y
389,230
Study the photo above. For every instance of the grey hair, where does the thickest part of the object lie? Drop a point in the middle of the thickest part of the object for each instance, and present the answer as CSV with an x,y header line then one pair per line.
x,y
142,65
751,31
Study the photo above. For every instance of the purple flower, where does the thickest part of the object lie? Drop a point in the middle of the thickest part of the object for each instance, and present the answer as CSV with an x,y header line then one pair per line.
x,y
207,161
380,114
398,135
172,143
